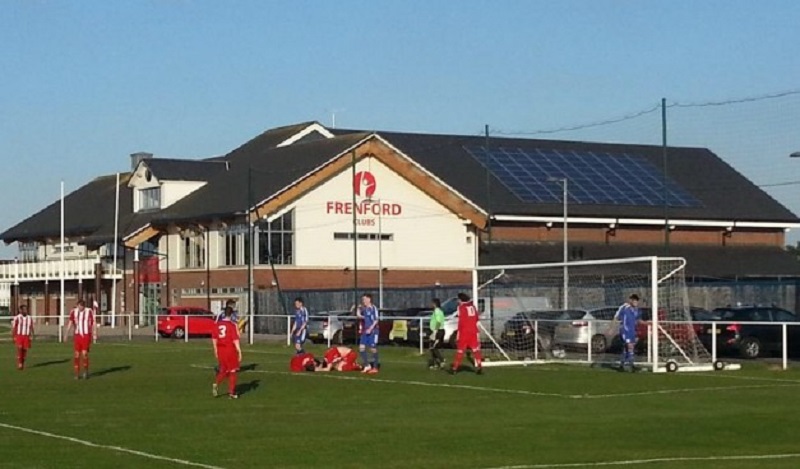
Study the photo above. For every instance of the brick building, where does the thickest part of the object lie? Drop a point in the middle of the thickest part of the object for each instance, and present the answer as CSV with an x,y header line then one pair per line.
x,y
306,207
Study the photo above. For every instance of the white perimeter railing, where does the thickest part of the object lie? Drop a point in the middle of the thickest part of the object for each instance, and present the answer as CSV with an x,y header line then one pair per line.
x,y
720,338
74,269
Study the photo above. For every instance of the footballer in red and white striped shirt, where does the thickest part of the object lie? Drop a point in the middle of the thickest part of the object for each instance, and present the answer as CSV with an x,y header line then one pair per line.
x,y
21,331
82,320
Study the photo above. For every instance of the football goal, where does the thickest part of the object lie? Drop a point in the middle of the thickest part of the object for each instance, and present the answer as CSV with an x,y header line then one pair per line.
x,y
564,313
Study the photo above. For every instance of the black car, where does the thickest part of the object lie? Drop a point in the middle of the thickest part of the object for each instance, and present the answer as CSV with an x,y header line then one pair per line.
x,y
520,331
744,330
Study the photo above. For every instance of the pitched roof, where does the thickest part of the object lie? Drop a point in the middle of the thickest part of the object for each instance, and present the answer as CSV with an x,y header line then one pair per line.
x,y
88,213
268,170
723,193
702,261
268,139
168,169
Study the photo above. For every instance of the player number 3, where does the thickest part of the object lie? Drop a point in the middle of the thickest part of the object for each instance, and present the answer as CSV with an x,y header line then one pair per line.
x,y
222,331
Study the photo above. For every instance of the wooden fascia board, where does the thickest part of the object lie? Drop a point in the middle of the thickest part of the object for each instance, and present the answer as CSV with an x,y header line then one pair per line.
x,y
393,160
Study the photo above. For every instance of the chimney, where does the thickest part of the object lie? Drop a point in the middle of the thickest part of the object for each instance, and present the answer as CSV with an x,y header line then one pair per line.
x,y
137,157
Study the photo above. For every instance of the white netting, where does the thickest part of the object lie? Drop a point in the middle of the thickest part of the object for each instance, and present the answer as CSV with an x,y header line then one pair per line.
x,y
527,316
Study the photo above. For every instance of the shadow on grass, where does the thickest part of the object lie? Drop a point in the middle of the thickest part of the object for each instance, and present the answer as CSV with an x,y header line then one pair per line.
x,y
107,371
51,362
250,367
244,388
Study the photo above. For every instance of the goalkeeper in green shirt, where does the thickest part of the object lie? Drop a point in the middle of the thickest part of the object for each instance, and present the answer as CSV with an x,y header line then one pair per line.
x,y
437,336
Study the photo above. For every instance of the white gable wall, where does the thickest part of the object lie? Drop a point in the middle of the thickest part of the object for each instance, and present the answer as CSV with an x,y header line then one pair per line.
x,y
173,191
426,235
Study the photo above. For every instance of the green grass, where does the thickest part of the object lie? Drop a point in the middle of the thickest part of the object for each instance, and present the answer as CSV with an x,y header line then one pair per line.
x,y
153,398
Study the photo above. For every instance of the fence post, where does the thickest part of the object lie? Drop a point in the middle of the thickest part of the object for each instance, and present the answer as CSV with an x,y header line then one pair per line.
x,y
785,347
536,339
155,329
288,331
649,344
713,342
130,328
421,335
330,329
185,328
589,341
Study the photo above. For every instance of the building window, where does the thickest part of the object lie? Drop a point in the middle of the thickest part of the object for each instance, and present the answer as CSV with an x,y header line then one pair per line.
x,y
67,249
276,240
29,252
148,248
235,245
194,251
150,199
365,236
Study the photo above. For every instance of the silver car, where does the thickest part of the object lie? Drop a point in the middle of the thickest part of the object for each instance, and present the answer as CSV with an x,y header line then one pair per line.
x,y
573,329
326,324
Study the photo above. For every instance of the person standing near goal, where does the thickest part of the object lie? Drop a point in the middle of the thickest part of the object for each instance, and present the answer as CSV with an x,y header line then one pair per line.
x,y
368,342
468,334
82,321
628,315
437,335
21,332
299,331
228,352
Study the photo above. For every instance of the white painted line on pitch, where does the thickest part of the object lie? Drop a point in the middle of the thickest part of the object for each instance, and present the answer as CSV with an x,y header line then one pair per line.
x,y
747,378
119,449
638,462
520,391
410,383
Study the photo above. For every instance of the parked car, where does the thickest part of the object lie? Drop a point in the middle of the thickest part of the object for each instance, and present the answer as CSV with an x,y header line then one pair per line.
x,y
682,333
326,324
578,329
522,329
177,321
739,336
395,324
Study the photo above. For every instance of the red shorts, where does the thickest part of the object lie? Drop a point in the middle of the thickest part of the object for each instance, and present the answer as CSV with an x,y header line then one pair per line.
x,y
350,362
469,341
23,341
228,360
82,343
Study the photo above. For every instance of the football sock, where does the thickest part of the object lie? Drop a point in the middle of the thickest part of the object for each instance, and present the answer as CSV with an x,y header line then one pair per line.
x,y
220,377
364,359
478,358
375,362
457,360
76,364
232,383
86,363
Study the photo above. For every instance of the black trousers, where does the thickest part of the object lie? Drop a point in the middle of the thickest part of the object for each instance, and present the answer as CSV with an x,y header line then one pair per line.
x,y
436,348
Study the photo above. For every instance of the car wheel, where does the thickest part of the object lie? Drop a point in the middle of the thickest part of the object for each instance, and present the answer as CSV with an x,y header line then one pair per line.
x,y
178,333
599,343
750,348
337,338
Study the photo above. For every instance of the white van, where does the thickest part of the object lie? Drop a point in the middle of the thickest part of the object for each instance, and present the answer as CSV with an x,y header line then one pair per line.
x,y
494,312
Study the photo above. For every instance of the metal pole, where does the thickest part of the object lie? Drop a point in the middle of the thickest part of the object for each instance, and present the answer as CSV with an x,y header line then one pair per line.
x,y
62,303
114,261
784,347
664,184
380,257
566,240
355,233
251,256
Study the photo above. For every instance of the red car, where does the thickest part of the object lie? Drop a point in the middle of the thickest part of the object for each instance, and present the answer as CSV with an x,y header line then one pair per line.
x,y
178,321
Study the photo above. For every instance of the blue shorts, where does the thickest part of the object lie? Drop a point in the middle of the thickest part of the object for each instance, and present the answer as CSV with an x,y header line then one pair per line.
x,y
301,338
628,337
369,340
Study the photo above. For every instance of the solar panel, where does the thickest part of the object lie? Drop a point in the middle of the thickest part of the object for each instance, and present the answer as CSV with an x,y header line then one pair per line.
x,y
594,177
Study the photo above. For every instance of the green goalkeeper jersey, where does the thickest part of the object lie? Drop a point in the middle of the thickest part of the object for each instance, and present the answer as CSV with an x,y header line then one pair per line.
x,y
437,319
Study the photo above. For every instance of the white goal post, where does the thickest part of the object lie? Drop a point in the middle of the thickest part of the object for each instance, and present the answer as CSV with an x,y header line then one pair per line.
x,y
564,313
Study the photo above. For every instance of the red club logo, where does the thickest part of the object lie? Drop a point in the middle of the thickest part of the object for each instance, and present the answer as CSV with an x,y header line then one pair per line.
x,y
364,184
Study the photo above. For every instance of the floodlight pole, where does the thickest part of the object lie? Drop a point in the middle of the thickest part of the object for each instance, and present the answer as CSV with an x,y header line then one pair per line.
x,y
564,183
665,194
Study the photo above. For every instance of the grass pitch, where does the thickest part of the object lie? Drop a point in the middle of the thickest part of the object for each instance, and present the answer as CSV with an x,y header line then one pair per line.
x,y
151,400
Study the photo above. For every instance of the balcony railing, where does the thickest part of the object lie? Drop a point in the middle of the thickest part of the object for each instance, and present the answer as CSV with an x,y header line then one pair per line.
x,y
74,269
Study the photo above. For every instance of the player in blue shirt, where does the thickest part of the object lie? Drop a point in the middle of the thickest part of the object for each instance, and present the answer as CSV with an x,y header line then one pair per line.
x,y
234,317
368,315
299,329
628,315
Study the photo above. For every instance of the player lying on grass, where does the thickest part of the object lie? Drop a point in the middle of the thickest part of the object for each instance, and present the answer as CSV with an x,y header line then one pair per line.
x,y
335,359
301,362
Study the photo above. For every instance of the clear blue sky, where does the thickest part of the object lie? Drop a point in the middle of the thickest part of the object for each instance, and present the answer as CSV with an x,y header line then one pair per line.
x,y
83,84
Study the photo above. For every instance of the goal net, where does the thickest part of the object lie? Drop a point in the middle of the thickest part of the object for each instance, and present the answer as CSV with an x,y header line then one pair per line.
x,y
564,312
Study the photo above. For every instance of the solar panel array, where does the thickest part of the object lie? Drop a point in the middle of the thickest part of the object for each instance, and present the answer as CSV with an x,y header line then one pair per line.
x,y
594,177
